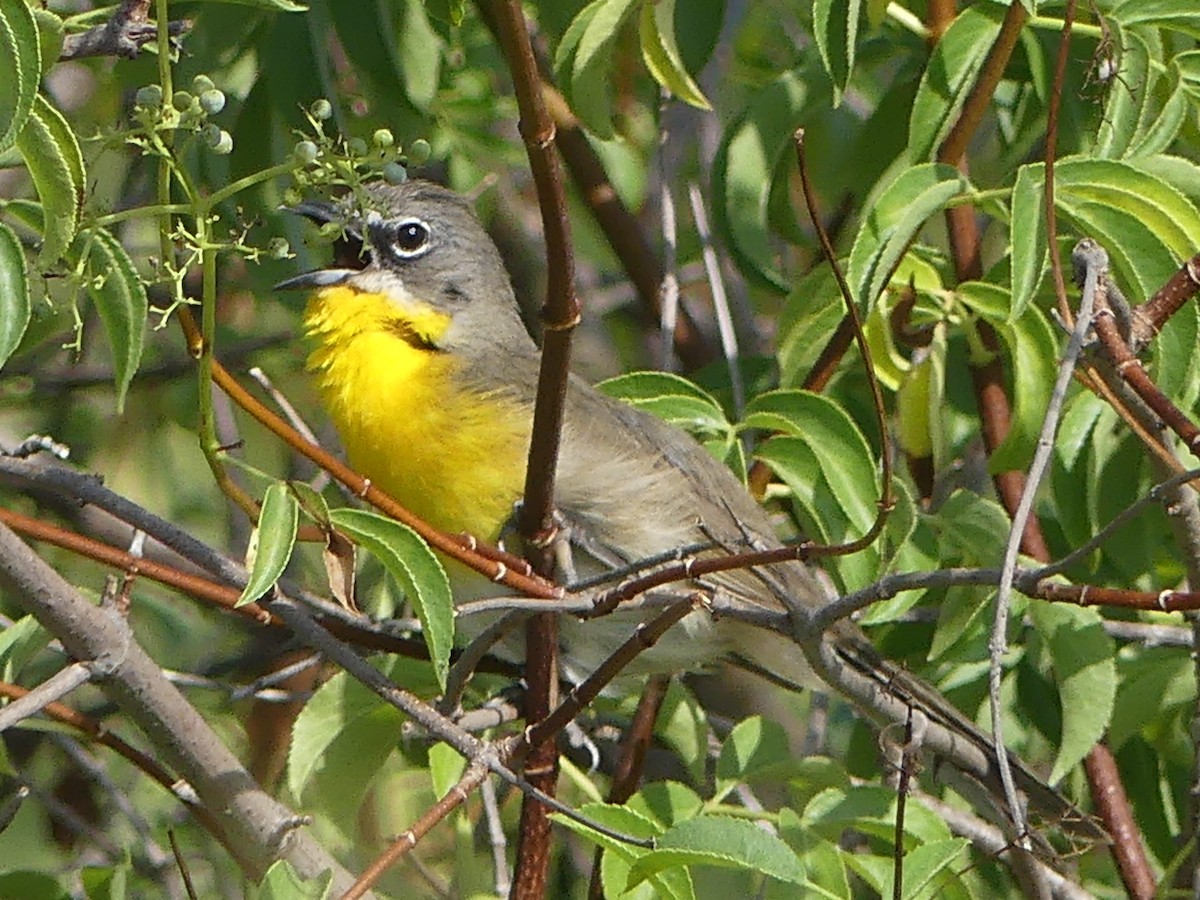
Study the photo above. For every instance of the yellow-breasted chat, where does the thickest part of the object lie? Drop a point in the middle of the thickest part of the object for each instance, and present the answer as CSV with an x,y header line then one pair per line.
x,y
423,363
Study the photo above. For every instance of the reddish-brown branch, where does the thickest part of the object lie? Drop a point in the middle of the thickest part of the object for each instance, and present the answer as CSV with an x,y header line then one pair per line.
x,y
219,594
405,842
560,315
1149,318
1112,804
1131,371
976,106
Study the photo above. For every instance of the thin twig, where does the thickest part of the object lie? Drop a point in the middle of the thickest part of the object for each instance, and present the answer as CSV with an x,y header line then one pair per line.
x,y
53,688
1096,261
495,829
716,284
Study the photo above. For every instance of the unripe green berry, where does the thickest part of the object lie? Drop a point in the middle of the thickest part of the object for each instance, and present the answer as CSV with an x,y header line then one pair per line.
x,y
357,146
202,83
224,145
394,173
277,248
419,152
331,229
382,138
305,152
149,96
181,100
212,101
321,109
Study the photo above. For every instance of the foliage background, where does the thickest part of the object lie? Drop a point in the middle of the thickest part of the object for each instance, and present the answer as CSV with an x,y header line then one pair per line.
x,y
877,95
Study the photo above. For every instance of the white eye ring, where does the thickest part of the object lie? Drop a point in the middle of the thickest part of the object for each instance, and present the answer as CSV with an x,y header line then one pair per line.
x,y
410,238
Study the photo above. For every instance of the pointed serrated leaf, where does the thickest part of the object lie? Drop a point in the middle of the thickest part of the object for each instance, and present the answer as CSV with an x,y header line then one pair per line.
x,y
15,305
591,66
744,170
1085,670
410,561
52,156
660,52
894,222
723,842
341,738
950,77
20,68
272,542
835,27
120,300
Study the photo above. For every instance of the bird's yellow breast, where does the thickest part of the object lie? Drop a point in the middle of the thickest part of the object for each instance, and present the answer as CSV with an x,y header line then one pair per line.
x,y
454,457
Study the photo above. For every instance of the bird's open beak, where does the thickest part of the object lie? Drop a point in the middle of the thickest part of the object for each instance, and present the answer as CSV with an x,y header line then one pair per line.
x,y
349,255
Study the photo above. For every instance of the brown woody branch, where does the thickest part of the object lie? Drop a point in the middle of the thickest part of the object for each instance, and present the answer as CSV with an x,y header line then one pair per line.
x,y
124,35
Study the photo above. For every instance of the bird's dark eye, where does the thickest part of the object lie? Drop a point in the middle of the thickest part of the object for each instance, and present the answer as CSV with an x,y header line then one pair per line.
x,y
411,238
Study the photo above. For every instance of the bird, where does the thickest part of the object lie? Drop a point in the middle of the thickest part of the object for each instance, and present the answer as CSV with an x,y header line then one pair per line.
x,y
422,361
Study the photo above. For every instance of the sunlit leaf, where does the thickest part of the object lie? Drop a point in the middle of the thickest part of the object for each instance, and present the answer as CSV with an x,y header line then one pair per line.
x,y
1084,661
120,300
410,561
20,68
894,222
723,842
15,304
660,51
272,541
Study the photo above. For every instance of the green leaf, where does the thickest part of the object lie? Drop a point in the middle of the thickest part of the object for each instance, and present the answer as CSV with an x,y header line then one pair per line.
x,y
1129,94
1085,670
756,747
751,151
1033,347
924,865
1147,224
723,842
950,76
419,53
16,308
973,529
872,810
272,541
19,643
835,27
589,47
1027,236
410,561
283,883
660,51
894,222
340,741
667,802
1178,15
20,68
120,300
673,884
683,725
671,398
52,156
50,37
446,767
841,450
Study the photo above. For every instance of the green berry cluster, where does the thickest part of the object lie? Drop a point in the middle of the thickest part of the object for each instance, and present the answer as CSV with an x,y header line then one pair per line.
x,y
187,111
323,159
